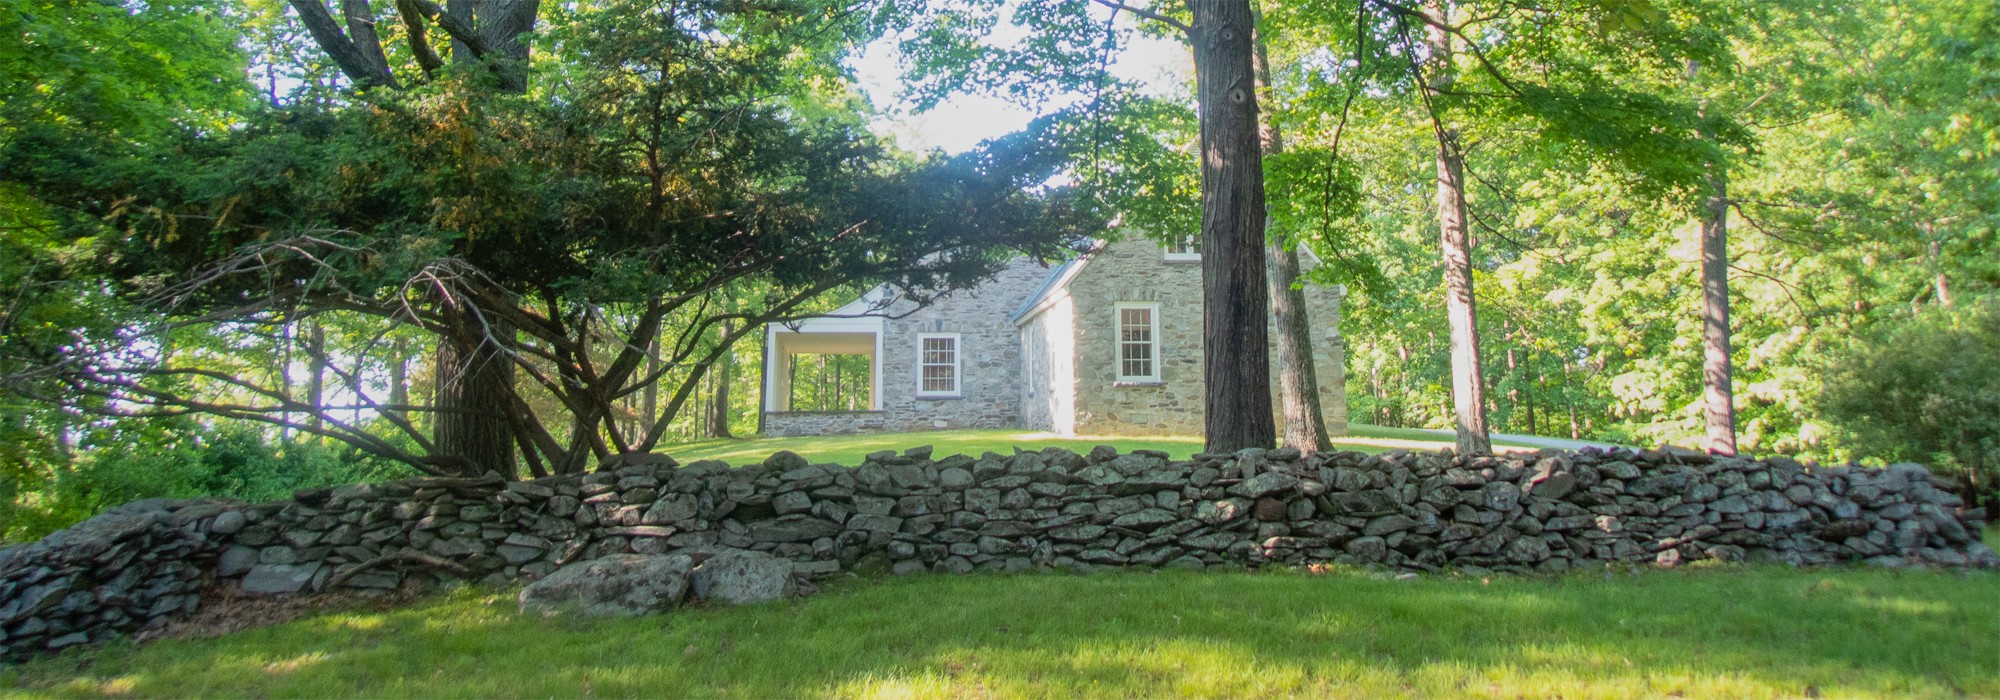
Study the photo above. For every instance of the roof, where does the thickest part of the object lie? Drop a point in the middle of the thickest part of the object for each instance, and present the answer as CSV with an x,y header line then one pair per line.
x,y
1057,280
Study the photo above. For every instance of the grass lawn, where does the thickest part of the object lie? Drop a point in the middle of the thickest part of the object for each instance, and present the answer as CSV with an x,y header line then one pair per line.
x,y
1749,632
849,449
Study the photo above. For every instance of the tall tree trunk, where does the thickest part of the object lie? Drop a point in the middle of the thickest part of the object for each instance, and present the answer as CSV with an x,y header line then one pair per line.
x,y
1718,395
1468,389
399,373
1939,280
474,391
1237,306
718,400
649,401
1298,379
315,373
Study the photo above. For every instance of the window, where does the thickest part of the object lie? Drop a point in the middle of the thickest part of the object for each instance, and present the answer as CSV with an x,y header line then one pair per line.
x,y
1183,247
1138,342
937,364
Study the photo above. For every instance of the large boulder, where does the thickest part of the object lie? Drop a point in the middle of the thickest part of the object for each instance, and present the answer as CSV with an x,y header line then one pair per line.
x,y
614,586
740,576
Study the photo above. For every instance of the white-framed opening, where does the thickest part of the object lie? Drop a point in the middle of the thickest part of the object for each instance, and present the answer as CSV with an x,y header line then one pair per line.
x,y
1136,350
784,343
939,365
1182,248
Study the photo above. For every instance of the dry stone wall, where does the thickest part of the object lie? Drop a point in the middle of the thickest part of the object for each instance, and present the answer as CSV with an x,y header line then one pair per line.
x,y
1547,511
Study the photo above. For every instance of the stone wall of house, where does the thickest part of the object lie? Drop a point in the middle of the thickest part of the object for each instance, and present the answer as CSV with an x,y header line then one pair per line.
x,y
901,513
1134,271
989,355
802,423
1048,383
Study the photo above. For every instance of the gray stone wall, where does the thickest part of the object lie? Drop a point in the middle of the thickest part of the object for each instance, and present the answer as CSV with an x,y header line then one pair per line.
x,y
1135,271
802,423
989,346
902,513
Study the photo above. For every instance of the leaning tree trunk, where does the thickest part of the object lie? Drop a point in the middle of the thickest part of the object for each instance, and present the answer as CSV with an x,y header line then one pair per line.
x,y
1235,333
1468,391
1718,394
1298,379
474,390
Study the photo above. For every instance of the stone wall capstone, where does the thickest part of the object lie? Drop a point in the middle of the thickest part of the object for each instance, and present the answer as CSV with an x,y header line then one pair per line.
x,y
145,563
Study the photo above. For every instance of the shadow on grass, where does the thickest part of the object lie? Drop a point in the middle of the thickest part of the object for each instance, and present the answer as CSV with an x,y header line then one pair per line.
x,y
1757,632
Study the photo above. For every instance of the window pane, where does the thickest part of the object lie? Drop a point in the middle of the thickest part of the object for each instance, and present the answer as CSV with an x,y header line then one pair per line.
x,y
938,365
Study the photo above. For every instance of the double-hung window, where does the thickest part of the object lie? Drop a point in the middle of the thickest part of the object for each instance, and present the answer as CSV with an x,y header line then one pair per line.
x,y
1182,248
937,364
1138,327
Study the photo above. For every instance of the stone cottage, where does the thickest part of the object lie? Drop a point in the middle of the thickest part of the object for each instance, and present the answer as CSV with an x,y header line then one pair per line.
x,y
1108,343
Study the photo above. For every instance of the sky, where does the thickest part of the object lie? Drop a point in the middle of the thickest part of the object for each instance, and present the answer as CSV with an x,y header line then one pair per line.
x,y
1162,66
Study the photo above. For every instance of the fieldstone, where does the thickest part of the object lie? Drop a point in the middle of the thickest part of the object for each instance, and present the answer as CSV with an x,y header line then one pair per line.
x,y
793,528
1555,487
1265,484
882,523
791,502
279,579
227,522
620,585
738,577
1368,548
1388,525
955,479
235,560
1145,520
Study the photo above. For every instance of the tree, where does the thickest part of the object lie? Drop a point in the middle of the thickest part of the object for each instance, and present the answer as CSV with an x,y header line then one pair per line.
x,y
1065,53
699,171
1298,379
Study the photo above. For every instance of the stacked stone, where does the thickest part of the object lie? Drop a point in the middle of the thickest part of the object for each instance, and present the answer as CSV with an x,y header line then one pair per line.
x,y
128,569
1053,508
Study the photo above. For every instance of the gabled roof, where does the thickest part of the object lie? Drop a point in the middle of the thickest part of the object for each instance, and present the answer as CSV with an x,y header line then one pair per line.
x,y
1057,280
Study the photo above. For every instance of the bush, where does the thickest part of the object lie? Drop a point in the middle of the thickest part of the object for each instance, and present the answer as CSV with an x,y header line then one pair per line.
x,y
124,461
1926,390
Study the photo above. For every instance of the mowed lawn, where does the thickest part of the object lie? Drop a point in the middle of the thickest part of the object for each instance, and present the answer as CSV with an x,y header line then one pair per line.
x,y
849,449
1721,633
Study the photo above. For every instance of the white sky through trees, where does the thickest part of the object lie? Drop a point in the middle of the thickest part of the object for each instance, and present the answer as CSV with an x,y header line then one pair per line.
x,y
1163,66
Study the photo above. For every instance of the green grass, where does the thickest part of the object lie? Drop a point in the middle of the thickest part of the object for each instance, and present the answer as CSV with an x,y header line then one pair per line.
x,y
1750,632
849,449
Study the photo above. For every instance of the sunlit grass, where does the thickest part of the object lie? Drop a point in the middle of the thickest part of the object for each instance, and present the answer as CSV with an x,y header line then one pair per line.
x,y
1752,632
849,449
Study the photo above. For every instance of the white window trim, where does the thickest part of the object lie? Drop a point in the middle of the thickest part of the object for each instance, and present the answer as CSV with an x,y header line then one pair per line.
x,y
957,365
1118,341
1168,253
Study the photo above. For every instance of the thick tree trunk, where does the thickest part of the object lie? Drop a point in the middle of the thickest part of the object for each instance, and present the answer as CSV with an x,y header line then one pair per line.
x,y
1235,333
1468,389
1298,379
1718,395
474,391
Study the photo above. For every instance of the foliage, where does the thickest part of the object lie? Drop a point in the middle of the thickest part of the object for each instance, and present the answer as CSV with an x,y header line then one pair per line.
x,y
672,176
1925,390
1746,632
117,462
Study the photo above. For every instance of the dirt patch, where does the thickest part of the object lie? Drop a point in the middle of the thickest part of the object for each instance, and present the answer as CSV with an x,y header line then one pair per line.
x,y
224,610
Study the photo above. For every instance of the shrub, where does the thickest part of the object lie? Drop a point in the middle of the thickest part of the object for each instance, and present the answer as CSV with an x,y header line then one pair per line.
x,y
1926,389
124,461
